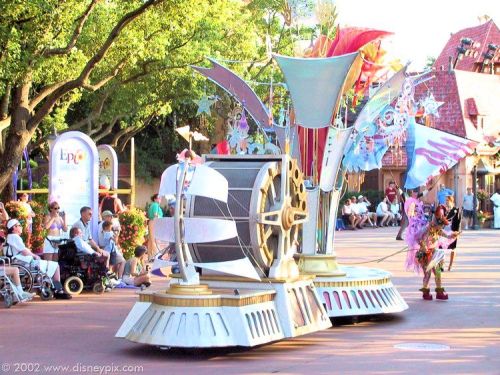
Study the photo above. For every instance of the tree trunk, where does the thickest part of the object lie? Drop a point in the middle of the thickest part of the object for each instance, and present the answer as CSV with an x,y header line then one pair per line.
x,y
18,137
4,102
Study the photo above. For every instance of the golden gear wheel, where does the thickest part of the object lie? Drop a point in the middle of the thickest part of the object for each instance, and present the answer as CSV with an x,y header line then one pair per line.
x,y
280,211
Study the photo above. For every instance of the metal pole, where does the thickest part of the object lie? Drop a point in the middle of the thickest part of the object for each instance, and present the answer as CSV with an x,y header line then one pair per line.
x,y
179,222
475,224
132,172
455,181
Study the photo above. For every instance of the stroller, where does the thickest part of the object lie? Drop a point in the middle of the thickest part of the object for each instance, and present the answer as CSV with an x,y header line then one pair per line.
x,y
81,271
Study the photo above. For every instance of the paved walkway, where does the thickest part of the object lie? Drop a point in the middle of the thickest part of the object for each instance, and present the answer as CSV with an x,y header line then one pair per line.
x,y
464,331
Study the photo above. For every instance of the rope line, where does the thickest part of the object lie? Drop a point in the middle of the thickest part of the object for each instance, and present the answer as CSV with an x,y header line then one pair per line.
x,y
378,260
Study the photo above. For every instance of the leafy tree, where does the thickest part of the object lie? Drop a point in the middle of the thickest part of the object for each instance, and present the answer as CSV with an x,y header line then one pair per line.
x,y
50,50
111,68
429,61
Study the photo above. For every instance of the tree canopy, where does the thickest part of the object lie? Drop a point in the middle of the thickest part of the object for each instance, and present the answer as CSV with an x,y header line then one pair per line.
x,y
110,68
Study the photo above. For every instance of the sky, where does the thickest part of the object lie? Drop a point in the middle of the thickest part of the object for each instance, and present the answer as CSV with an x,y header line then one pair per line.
x,y
422,27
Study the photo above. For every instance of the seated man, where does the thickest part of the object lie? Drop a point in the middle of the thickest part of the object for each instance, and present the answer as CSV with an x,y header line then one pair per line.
x,y
363,205
84,223
13,274
356,210
395,209
84,248
22,254
384,213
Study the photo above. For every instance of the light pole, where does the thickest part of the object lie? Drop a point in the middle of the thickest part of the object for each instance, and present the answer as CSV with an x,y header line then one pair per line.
x,y
475,223
475,159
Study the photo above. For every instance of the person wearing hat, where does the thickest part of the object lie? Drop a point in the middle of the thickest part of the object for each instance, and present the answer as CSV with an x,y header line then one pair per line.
x,y
429,258
107,239
13,274
22,254
356,209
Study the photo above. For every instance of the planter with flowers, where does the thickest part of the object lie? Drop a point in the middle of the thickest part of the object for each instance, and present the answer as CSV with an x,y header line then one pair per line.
x,y
133,230
484,219
38,231
482,195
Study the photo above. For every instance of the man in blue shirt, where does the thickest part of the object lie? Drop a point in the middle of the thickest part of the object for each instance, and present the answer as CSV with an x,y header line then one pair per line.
x,y
443,193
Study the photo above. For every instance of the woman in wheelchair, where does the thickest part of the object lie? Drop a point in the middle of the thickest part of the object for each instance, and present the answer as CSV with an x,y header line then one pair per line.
x,y
22,254
55,223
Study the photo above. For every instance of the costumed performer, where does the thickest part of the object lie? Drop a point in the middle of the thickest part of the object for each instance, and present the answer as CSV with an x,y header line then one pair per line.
x,y
454,216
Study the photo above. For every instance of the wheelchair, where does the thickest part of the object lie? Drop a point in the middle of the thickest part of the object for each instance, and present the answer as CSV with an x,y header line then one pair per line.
x,y
33,280
81,271
7,290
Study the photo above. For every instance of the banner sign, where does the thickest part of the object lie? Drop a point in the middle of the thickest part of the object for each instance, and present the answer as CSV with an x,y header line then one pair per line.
x,y
434,152
108,167
73,176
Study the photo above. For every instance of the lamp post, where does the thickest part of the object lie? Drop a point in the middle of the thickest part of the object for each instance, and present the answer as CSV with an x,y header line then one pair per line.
x,y
489,58
51,139
475,222
462,50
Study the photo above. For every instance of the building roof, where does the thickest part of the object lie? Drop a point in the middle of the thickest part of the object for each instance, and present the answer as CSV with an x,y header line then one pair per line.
x,y
395,158
482,35
470,106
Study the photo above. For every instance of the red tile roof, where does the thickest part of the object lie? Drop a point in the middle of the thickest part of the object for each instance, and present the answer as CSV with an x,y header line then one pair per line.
x,y
395,158
444,88
470,107
483,34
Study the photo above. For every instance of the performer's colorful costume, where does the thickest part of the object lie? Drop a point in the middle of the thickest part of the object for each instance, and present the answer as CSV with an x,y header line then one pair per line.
x,y
424,239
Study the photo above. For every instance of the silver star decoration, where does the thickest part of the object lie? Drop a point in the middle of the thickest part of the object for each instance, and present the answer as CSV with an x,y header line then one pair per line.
x,y
204,104
431,105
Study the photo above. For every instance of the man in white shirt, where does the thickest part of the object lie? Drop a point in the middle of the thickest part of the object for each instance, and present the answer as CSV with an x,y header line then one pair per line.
x,y
363,204
348,215
84,225
356,210
384,213
22,254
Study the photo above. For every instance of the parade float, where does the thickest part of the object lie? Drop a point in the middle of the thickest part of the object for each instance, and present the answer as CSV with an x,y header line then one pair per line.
x,y
254,225
236,219
239,219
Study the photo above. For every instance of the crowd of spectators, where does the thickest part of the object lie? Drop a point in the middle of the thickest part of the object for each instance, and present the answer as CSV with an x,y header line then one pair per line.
x,y
104,249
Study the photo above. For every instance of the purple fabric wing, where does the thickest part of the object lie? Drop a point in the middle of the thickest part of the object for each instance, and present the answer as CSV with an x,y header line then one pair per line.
x,y
239,89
